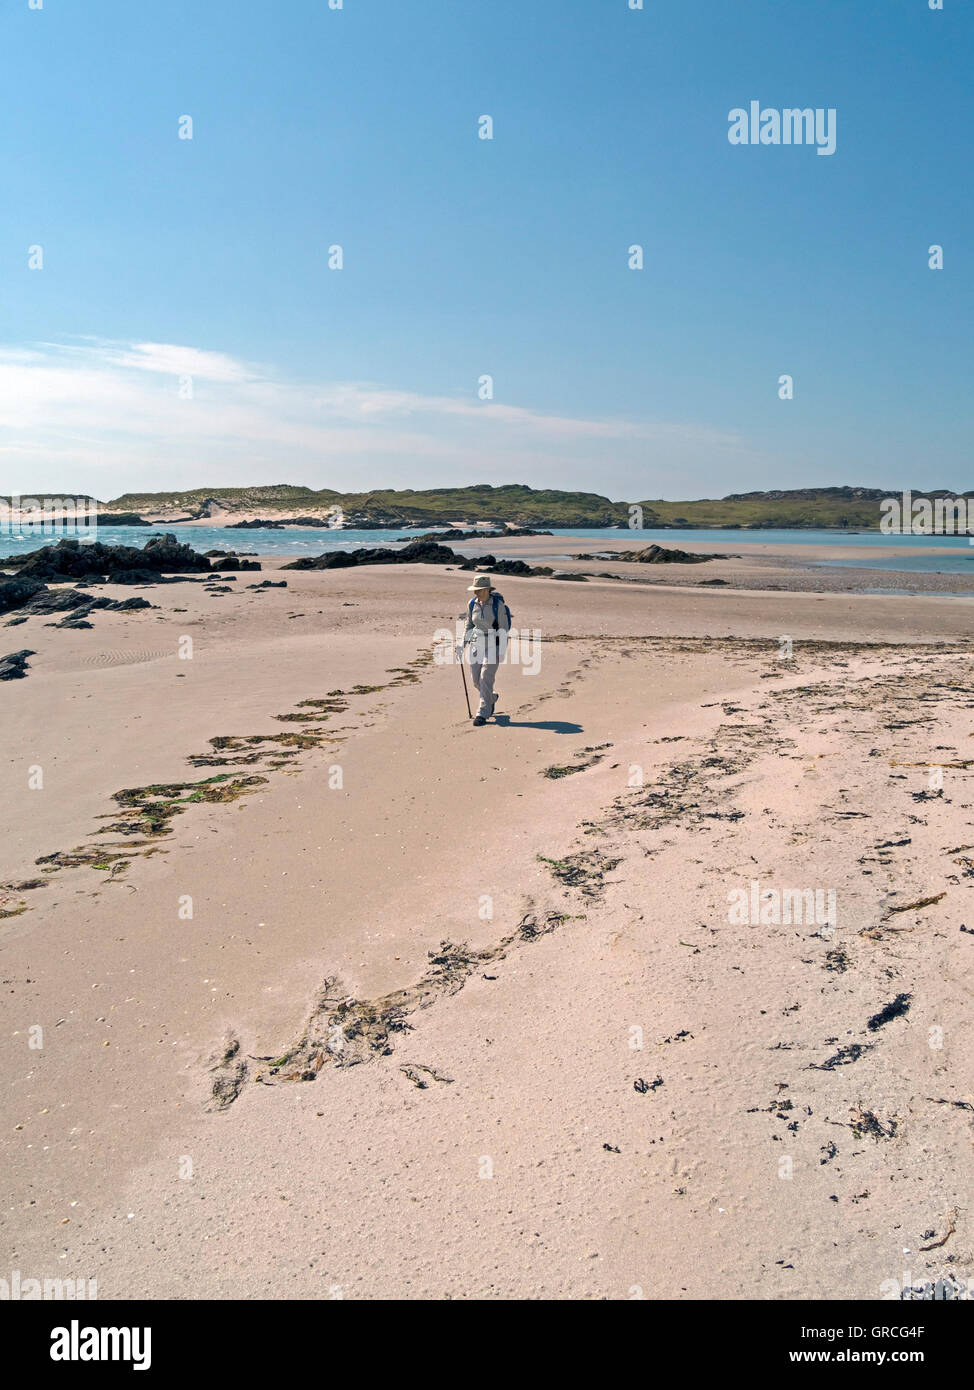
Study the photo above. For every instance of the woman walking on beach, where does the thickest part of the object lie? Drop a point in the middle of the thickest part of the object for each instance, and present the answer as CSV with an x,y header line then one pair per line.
x,y
488,624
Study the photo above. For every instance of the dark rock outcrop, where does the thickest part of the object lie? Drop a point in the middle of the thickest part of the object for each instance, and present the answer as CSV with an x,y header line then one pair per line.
x,y
58,601
14,593
13,667
142,577
69,559
122,605
419,551
658,555
489,564
78,616
416,552
232,562
162,560
453,534
31,598
258,525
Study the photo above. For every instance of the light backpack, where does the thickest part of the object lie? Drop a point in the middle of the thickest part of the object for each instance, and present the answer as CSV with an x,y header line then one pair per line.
x,y
497,599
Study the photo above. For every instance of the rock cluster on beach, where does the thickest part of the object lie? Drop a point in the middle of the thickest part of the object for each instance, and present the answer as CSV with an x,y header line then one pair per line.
x,y
425,550
455,534
69,559
416,552
30,598
259,524
495,566
26,594
422,552
13,667
17,593
655,555
452,533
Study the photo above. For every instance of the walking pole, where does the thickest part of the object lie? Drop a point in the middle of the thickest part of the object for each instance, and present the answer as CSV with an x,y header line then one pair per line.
x,y
464,675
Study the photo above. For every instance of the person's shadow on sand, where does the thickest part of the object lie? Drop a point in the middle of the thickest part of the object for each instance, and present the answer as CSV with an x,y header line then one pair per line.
x,y
554,726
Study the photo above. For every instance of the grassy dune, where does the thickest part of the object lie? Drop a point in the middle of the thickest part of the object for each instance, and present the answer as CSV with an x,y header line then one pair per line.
x,y
846,508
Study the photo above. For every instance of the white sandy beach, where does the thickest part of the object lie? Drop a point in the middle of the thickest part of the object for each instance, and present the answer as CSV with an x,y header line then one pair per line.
x,y
601,1087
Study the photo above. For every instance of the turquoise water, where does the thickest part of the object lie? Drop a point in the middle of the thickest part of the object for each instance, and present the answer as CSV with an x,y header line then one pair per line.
x,y
932,554
732,536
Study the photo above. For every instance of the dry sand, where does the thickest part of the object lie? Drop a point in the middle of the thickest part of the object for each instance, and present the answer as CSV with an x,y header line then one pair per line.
x,y
460,1029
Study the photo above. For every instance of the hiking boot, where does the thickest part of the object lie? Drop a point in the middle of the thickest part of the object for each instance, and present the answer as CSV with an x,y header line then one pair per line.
x,y
479,720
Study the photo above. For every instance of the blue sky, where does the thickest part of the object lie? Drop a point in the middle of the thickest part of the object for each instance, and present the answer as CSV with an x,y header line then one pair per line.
x,y
208,258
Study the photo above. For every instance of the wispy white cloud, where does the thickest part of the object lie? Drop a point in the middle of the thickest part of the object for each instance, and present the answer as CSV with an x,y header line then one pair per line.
x,y
110,417
173,360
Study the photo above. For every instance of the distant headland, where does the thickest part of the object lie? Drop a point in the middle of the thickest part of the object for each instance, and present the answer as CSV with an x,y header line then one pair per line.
x,y
509,505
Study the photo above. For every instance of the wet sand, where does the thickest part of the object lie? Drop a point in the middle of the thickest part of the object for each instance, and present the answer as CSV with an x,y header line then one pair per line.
x,y
741,564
